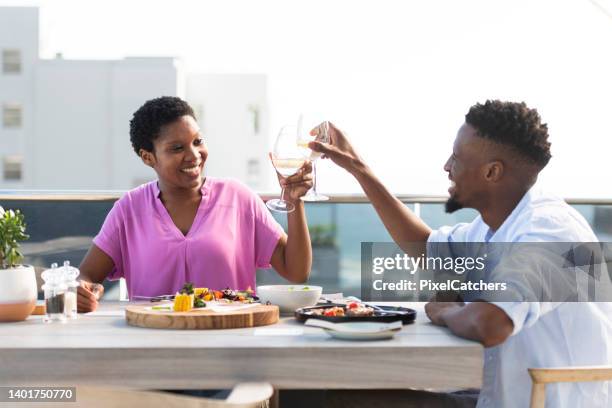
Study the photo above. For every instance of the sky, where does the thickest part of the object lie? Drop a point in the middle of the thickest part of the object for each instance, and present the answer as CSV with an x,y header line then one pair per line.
x,y
397,76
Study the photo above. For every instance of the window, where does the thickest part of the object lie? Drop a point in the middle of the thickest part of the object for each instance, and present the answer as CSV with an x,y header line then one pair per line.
x,y
12,168
254,118
11,61
11,115
253,167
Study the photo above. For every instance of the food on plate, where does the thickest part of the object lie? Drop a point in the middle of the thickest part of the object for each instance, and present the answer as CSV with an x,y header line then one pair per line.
x,y
162,307
228,295
185,299
183,302
333,311
358,309
189,298
203,293
352,309
187,289
198,302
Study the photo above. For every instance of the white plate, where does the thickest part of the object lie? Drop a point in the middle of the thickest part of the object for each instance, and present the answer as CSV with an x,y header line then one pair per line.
x,y
213,306
360,330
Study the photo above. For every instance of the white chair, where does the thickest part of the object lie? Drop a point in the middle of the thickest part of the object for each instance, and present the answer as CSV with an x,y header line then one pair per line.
x,y
542,376
245,395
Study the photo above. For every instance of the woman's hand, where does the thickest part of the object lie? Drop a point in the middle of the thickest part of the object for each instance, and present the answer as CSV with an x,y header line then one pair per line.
x,y
297,184
88,294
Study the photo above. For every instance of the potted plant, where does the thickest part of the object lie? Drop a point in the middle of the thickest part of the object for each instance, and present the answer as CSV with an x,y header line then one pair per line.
x,y
18,291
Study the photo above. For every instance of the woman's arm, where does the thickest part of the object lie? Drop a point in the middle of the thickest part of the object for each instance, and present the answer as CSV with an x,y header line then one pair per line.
x,y
292,257
94,269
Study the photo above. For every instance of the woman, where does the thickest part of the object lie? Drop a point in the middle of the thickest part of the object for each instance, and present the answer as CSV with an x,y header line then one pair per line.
x,y
186,228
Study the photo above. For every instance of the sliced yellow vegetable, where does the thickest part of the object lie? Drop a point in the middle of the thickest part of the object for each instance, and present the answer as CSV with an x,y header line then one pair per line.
x,y
199,291
183,303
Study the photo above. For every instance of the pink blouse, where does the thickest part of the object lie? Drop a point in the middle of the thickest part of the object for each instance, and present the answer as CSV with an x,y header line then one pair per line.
x,y
232,235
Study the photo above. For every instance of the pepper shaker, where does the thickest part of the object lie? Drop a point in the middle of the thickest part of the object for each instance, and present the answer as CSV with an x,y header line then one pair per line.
x,y
54,288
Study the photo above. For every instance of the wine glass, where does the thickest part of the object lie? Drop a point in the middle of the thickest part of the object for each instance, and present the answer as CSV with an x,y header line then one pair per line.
x,y
321,134
287,158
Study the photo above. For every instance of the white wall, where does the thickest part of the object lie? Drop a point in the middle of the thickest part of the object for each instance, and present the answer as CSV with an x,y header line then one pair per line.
x,y
224,102
68,147
76,114
18,30
83,109
134,81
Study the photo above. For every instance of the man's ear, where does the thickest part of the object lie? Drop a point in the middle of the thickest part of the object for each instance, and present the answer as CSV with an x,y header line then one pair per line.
x,y
147,157
494,171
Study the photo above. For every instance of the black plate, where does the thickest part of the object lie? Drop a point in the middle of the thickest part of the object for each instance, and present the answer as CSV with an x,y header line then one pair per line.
x,y
382,314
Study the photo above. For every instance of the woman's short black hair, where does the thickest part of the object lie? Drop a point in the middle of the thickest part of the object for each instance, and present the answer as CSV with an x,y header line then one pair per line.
x,y
512,124
148,120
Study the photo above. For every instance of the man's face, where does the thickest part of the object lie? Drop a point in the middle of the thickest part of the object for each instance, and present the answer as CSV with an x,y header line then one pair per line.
x,y
464,168
179,154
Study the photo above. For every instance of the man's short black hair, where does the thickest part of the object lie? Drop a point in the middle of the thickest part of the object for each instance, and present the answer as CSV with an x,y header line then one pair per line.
x,y
148,120
512,124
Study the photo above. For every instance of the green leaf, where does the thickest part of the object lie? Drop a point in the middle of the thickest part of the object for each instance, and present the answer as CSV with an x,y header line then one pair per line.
x,y
187,289
12,231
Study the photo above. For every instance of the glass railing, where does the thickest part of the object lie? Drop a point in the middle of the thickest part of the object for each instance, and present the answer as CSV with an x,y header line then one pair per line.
x,y
61,226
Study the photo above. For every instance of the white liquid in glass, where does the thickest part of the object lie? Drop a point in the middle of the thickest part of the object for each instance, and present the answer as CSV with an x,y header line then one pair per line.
x,y
304,144
287,167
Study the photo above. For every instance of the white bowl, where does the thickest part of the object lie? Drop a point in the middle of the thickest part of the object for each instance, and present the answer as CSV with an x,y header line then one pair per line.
x,y
289,297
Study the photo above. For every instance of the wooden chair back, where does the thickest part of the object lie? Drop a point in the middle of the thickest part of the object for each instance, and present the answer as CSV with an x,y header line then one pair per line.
x,y
542,376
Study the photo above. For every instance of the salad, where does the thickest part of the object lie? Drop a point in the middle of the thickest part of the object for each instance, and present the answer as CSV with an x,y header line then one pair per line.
x,y
189,298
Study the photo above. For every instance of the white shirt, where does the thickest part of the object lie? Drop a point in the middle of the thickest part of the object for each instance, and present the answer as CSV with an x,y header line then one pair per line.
x,y
545,334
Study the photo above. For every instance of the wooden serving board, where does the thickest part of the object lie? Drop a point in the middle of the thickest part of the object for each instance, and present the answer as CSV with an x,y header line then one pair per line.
x,y
201,319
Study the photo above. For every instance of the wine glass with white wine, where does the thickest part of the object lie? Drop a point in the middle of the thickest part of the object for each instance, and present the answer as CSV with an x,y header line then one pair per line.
x,y
310,131
287,158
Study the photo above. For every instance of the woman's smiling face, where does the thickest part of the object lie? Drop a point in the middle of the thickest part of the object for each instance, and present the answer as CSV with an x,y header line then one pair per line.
x,y
179,153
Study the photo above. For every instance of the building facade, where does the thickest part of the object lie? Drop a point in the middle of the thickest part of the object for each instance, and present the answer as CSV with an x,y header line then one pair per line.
x,y
65,123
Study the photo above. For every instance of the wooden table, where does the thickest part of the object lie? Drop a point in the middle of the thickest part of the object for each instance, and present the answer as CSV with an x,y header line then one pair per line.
x,y
102,349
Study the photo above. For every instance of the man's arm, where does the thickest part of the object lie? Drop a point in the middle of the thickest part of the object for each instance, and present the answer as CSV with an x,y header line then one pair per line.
x,y
481,321
403,225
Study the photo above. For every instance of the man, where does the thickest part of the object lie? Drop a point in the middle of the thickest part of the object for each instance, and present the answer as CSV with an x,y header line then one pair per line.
x,y
497,156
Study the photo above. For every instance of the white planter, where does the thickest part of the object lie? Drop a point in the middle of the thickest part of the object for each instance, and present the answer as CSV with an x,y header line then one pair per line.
x,y
18,293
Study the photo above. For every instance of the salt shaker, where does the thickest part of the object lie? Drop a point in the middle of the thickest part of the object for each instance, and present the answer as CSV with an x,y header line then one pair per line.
x,y
70,274
55,289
